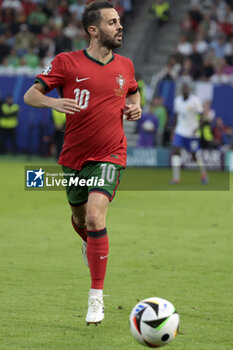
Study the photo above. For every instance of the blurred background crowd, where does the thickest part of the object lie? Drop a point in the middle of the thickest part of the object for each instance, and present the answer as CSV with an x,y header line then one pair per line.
x,y
203,52
204,49
32,32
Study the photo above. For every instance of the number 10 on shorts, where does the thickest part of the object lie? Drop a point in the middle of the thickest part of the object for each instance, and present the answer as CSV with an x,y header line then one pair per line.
x,y
108,172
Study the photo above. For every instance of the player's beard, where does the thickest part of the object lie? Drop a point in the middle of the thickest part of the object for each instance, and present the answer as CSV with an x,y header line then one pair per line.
x,y
107,41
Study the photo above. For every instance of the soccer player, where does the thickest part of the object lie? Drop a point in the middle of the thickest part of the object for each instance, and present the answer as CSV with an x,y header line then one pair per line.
x,y
188,110
93,84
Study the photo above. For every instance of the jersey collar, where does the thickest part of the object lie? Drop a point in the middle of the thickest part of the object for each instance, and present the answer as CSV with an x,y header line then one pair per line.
x,y
96,61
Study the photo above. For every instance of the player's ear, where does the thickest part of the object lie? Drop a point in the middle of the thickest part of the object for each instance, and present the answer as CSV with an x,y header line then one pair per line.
x,y
93,31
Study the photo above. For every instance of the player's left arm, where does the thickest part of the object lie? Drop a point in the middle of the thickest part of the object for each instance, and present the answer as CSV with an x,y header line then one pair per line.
x,y
133,109
199,116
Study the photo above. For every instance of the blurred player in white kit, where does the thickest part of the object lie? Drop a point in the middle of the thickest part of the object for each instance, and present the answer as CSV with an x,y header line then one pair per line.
x,y
188,111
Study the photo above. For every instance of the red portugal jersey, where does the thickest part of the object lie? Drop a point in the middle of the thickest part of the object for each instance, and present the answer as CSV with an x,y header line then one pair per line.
x,y
96,132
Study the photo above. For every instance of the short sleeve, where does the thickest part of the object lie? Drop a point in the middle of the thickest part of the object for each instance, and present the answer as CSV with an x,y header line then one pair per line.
x,y
53,75
133,85
176,105
199,106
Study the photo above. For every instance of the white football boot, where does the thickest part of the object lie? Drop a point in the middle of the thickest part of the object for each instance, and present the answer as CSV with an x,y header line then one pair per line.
x,y
84,253
95,312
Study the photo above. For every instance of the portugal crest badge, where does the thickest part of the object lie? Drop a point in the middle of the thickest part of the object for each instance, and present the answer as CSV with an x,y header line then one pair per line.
x,y
121,83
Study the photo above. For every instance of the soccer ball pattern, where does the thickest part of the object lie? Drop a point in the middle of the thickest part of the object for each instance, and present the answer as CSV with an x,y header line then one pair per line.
x,y
154,322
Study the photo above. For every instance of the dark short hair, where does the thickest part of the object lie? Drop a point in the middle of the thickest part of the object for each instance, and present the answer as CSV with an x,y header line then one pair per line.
x,y
91,14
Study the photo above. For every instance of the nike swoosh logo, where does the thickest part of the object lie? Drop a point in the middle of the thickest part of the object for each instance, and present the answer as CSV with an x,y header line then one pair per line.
x,y
78,80
103,257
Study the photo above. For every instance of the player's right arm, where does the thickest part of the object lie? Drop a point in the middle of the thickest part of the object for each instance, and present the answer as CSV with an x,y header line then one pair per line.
x,y
35,97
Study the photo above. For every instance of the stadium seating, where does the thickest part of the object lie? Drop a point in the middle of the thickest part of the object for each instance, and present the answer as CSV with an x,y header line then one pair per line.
x,y
32,32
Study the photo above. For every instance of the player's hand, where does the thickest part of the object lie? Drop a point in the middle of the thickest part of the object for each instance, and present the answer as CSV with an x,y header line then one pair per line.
x,y
132,112
66,105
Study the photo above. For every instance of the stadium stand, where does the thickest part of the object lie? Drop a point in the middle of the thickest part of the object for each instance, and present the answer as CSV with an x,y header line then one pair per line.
x,y
195,46
204,50
32,32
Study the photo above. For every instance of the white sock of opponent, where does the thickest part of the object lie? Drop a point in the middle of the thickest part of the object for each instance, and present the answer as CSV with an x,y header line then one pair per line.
x,y
176,164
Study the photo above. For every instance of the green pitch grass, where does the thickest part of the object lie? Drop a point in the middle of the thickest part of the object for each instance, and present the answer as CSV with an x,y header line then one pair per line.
x,y
173,244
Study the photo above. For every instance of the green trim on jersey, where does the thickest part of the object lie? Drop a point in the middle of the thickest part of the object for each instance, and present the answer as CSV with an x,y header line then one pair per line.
x,y
95,60
45,86
60,90
42,82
